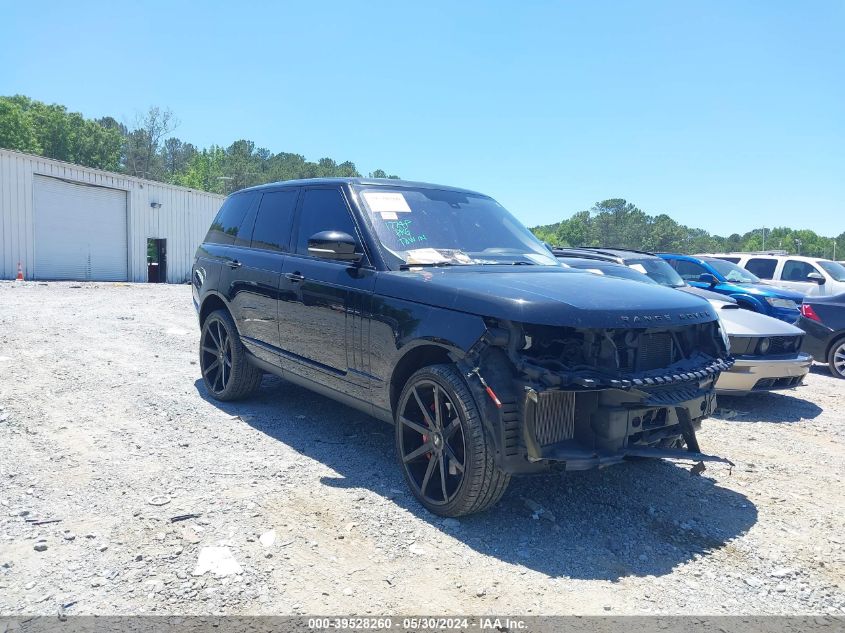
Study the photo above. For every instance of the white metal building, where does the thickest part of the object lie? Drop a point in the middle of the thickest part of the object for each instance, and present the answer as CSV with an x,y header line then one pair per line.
x,y
65,221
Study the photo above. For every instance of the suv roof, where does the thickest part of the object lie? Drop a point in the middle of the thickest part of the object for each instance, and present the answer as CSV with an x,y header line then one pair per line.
x,y
393,182
616,255
704,258
801,258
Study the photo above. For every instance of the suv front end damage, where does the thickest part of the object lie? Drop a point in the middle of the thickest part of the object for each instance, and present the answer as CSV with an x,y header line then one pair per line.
x,y
582,398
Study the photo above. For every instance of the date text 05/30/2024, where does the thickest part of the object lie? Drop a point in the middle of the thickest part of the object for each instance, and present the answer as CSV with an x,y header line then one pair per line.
x,y
418,623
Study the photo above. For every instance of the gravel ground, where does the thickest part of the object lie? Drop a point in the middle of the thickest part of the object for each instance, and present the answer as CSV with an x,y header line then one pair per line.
x,y
105,427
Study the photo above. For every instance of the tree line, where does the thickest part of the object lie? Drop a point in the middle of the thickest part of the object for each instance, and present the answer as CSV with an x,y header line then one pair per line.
x,y
618,223
146,148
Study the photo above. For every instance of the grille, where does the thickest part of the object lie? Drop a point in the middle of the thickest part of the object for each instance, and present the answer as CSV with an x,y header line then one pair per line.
x,y
783,344
655,351
554,420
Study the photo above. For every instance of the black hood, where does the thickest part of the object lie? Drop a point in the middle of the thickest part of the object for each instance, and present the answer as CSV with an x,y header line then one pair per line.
x,y
546,296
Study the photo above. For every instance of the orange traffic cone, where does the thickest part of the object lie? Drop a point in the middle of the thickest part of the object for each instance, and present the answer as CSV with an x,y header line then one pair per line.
x,y
20,273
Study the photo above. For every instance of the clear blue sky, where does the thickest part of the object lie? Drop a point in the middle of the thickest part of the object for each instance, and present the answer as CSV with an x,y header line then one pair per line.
x,y
726,115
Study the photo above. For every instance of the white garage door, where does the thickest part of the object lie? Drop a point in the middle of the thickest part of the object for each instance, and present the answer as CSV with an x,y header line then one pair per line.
x,y
80,231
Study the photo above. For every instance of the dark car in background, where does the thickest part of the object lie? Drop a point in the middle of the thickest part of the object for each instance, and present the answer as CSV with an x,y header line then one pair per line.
x,y
823,319
434,309
726,278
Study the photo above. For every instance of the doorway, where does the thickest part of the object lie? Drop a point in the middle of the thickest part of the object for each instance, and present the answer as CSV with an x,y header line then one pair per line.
x,y
156,261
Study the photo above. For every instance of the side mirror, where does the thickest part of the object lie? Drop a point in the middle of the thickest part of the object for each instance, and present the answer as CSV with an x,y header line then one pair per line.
x,y
335,245
707,278
817,277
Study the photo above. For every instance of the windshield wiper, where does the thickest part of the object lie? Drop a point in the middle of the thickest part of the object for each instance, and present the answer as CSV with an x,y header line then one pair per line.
x,y
423,265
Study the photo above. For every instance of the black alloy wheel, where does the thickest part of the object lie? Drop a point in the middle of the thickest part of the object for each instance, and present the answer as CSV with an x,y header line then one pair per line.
x,y
226,371
216,357
446,456
432,443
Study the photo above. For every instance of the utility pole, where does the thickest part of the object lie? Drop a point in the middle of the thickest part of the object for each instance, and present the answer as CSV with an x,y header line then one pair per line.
x,y
798,244
764,238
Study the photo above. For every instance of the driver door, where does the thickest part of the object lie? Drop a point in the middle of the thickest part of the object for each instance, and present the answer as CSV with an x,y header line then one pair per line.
x,y
324,304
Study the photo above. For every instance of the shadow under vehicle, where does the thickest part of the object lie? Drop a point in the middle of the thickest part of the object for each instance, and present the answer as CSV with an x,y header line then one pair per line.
x,y
641,520
434,309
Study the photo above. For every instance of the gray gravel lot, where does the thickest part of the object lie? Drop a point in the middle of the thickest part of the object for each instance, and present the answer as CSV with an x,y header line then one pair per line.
x,y
105,425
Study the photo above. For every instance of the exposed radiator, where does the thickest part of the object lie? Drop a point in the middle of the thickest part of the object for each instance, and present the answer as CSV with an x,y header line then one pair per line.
x,y
655,351
554,420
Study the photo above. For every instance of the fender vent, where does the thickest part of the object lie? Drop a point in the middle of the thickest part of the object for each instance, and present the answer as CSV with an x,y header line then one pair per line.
x,y
555,417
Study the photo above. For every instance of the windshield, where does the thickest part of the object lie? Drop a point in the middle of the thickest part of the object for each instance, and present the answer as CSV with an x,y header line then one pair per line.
x,y
442,227
732,272
658,270
834,269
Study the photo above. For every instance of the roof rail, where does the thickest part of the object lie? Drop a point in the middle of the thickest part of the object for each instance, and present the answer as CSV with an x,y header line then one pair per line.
x,y
607,250
770,252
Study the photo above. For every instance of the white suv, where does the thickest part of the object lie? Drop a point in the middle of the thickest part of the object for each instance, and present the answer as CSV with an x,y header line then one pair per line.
x,y
809,275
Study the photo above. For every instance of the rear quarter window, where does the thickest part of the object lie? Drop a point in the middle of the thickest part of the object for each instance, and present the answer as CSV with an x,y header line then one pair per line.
x,y
763,267
229,223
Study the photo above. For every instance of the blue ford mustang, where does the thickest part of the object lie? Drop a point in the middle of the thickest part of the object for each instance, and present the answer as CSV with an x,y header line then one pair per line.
x,y
729,279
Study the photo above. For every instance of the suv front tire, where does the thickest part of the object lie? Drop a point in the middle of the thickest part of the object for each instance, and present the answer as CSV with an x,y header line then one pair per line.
x,y
445,453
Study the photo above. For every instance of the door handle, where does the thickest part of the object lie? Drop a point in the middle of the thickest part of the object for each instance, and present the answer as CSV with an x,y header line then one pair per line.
x,y
235,264
295,276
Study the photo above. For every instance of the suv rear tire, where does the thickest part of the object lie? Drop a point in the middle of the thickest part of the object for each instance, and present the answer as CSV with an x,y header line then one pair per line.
x,y
445,453
226,372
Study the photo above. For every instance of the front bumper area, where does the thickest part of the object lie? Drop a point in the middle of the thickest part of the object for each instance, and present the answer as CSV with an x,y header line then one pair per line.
x,y
750,374
580,430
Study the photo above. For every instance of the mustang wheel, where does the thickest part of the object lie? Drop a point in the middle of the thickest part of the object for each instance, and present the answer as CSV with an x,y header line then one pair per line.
x,y
836,359
227,373
445,454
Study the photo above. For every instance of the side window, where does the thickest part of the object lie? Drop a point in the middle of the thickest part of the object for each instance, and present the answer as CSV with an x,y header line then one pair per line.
x,y
733,260
273,222
689,271
228,224
322,210
794,270
763,267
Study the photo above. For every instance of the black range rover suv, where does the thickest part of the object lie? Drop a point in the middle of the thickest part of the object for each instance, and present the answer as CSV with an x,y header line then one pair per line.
x,y
434,309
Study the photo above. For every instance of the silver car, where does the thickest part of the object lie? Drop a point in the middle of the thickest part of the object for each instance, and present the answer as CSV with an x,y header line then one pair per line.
x,y
767,352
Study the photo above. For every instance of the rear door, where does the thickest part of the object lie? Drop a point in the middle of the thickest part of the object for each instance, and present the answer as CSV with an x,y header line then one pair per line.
x,y
260,254
248,278
324,304
794,276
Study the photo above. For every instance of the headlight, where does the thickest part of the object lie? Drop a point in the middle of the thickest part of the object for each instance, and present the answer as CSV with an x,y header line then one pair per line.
x,y
724,334
777,302
763,346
